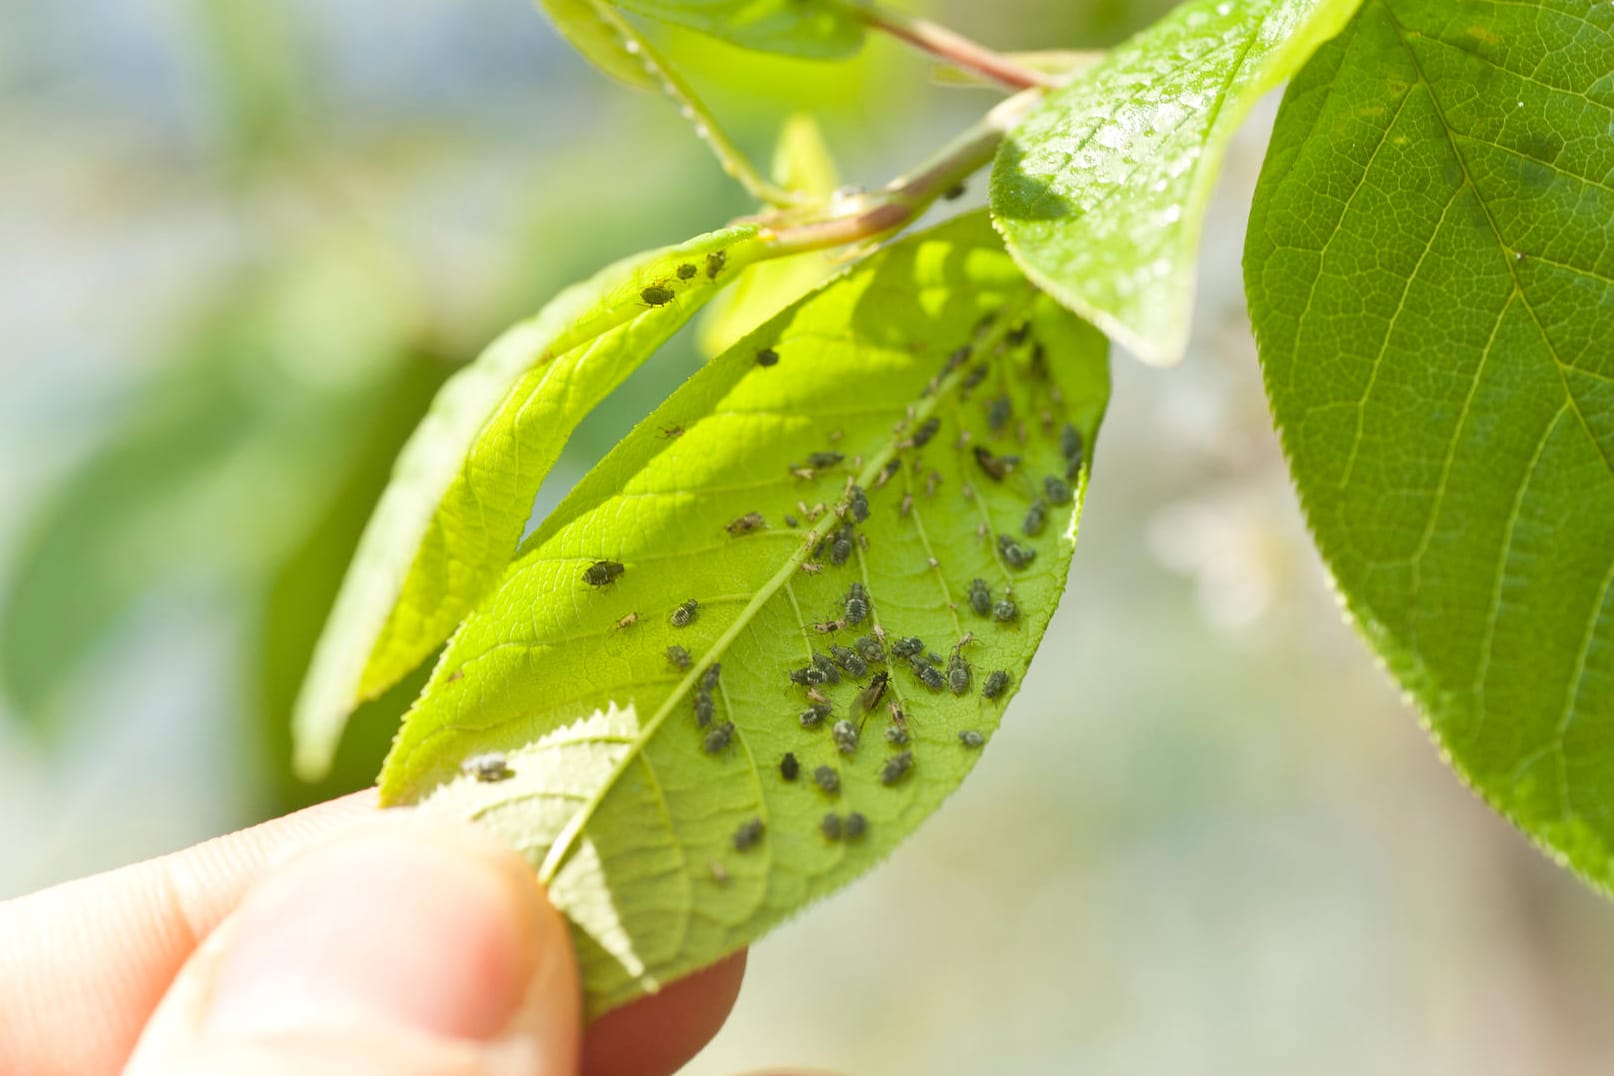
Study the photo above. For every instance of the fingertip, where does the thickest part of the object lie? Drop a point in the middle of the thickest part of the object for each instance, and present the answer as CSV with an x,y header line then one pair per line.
x,y
658,1033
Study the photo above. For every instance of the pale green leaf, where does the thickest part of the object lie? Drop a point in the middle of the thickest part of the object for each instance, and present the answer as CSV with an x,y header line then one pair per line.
x,y
812,29
599,40
1101,192
1430,268
629,820
801,163
462,490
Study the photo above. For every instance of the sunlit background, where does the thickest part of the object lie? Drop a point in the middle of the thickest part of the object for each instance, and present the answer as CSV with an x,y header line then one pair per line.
x,y
242,242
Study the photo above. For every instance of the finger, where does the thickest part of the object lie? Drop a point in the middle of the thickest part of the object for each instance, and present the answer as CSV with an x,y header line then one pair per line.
x,y
82,965
658,1033
406,945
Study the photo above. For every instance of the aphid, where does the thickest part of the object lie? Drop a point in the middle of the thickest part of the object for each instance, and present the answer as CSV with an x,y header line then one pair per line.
x,y
767,356
896,768
720,874
814,716
980,597
749,833
789,768
984,324
807,676
965,640
715,262
824,665
869,648
845,734
907,646
811,567
830,826
922,436
887,473
710,676
817,697
928,674
1013,553
1036,517
906,507
933,657
679,658
1039,361
1057,489
855,826
627,621
827,779
841,548
897,735
824,627
457,674
958,675
1070,444
857,605
870,696
806,474
996,468
971,738
684,615
488,767
1017,335
958,357
746,524
792,521
703,709
954,192
657,295
672,432
836,435
822,461
995,684
933,482
998,413
857,503
975,376
849,661
602,573
718,738
685,271
1005,611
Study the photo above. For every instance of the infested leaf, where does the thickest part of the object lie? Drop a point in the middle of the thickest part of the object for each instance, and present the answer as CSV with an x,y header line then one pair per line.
x,y
919,407
463,486
1430,268
1101,192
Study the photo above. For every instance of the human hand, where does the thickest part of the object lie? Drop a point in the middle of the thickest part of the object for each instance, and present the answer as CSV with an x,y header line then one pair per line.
x,y
334,940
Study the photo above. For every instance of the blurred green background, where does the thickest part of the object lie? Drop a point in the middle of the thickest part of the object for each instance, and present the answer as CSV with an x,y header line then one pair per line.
x,y
241,244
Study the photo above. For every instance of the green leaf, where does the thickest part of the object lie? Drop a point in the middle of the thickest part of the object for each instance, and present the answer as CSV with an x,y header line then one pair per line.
x,y
1430,268
801,163
1101,192
812,29
599,40
629,819
462,489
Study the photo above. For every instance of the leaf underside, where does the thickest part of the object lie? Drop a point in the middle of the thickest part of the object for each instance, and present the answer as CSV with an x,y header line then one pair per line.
x,y
1101,192
462,490
1430,267
598,40
631,815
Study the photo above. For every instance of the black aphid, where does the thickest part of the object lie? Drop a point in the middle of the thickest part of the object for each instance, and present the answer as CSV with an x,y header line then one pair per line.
x,y
998,413
703,709
995,685
975,376
870,696
718,738
887,473
845,734
814,716
896,768
857,605
684,615
840,549
855,826
789,768
827,779
686,270
715,262
857,503
1017,335
488,767
767,356
830,827
1039,361
602,573
749,833
927,673
657,295
1005,611
850,662
792,521
956,358
869,648
679,658
896,734
954,192
710,676
746,524
922,436
824,665
995,467
958,674
1036,517
971,738
980,597
907,646
1070,444
820,461
1013,553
